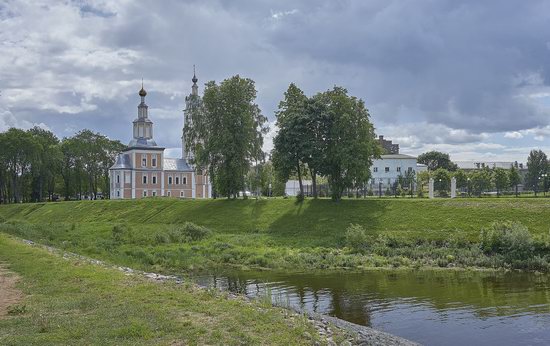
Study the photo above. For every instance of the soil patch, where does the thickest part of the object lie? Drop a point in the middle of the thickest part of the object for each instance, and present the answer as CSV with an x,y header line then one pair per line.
x,y
9,294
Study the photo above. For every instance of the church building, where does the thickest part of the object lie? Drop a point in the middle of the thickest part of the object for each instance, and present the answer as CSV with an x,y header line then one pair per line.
x,y
142,170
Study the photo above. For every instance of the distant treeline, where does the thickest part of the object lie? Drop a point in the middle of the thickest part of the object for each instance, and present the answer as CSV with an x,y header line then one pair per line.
x,y
35,165
479,181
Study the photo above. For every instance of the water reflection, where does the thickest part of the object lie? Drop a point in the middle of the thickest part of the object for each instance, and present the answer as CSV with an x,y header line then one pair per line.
x,y
432,307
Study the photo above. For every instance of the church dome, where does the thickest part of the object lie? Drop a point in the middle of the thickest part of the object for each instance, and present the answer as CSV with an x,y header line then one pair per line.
x,y
142,92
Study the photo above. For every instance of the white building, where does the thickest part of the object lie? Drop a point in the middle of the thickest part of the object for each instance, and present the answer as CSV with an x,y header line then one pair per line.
x,y
292,187
473,165
387,170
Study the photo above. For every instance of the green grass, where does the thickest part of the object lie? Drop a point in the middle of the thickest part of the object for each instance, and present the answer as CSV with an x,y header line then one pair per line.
x,y
279,233
70,302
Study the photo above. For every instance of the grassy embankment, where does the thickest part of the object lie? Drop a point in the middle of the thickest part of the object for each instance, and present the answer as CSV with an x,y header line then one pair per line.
x,y
282,234
70,302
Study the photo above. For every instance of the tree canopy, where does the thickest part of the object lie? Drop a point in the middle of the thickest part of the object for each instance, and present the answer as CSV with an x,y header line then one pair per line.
x,y
435,159
226,134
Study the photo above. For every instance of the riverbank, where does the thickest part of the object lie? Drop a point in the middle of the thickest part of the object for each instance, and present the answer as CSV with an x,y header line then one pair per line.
x,y
166,235
69,301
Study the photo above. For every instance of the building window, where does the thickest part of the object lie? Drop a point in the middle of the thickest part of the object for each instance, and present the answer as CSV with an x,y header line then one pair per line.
x,y
154,161
144,161
375,169
387,169
169,193
144,193
399,169
169,180
181,193
177,180
144,179
410,169
184,180
118,193
154,193
118,179
154,179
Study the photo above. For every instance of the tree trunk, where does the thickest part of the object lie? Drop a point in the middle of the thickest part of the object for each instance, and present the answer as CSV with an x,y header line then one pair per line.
x,y
314,182
300,179
15,189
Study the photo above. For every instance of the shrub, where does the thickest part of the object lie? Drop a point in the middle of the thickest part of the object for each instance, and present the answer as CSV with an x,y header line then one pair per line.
x,y
357,238
300,197
189,232
118,232
162,238
510,239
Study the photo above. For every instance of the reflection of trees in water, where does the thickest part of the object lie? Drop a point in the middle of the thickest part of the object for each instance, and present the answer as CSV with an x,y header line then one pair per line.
x,y
355,296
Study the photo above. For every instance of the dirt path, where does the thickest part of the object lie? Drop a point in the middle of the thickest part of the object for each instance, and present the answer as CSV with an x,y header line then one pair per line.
x,y
9,294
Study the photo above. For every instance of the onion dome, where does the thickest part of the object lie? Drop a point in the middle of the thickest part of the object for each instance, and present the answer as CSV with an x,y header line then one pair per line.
x,y
142,92
195,79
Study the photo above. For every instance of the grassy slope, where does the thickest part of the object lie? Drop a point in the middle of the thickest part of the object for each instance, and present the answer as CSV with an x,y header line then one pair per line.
x,y
320,221
277,233
68,302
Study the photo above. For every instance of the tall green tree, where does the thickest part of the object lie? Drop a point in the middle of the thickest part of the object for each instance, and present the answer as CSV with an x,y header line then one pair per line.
x,y
48,164
442,180
500,179
537,165
480,181
514,178
227,137
435,159
461,179
348,139
87,157
290,143
20,150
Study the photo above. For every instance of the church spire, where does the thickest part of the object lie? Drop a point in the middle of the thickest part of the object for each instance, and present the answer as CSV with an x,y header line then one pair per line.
x,y
143,126
195,87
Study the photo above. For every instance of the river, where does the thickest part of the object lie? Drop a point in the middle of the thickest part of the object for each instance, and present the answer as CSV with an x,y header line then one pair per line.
x,y
437,307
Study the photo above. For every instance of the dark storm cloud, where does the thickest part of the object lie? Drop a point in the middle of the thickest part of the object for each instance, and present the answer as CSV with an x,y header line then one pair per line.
x,y
461,70
463,64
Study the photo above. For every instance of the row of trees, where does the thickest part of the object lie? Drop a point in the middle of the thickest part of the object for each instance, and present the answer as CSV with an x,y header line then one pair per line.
x,y
474,182
35,165
329,135
483,180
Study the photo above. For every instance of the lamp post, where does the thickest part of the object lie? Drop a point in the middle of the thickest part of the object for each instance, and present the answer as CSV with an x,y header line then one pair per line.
x,y
468,186
543,177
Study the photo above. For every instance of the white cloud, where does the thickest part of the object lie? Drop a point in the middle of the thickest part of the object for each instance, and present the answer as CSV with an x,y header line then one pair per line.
x,y
8,120
280,14
513,135
268,138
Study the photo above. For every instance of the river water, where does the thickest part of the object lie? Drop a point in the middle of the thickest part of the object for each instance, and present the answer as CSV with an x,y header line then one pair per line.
x,y
431,307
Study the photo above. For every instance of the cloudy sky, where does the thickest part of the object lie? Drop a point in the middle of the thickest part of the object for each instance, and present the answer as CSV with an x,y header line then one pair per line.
x,y
470,78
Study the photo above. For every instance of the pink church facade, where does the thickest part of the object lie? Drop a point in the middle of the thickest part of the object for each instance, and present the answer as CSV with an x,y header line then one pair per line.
x,y
143,170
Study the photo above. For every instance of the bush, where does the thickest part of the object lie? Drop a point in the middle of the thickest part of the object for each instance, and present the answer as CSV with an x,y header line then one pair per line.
x,y
118,232
300,197
510,239
162,238
357,238
189,232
